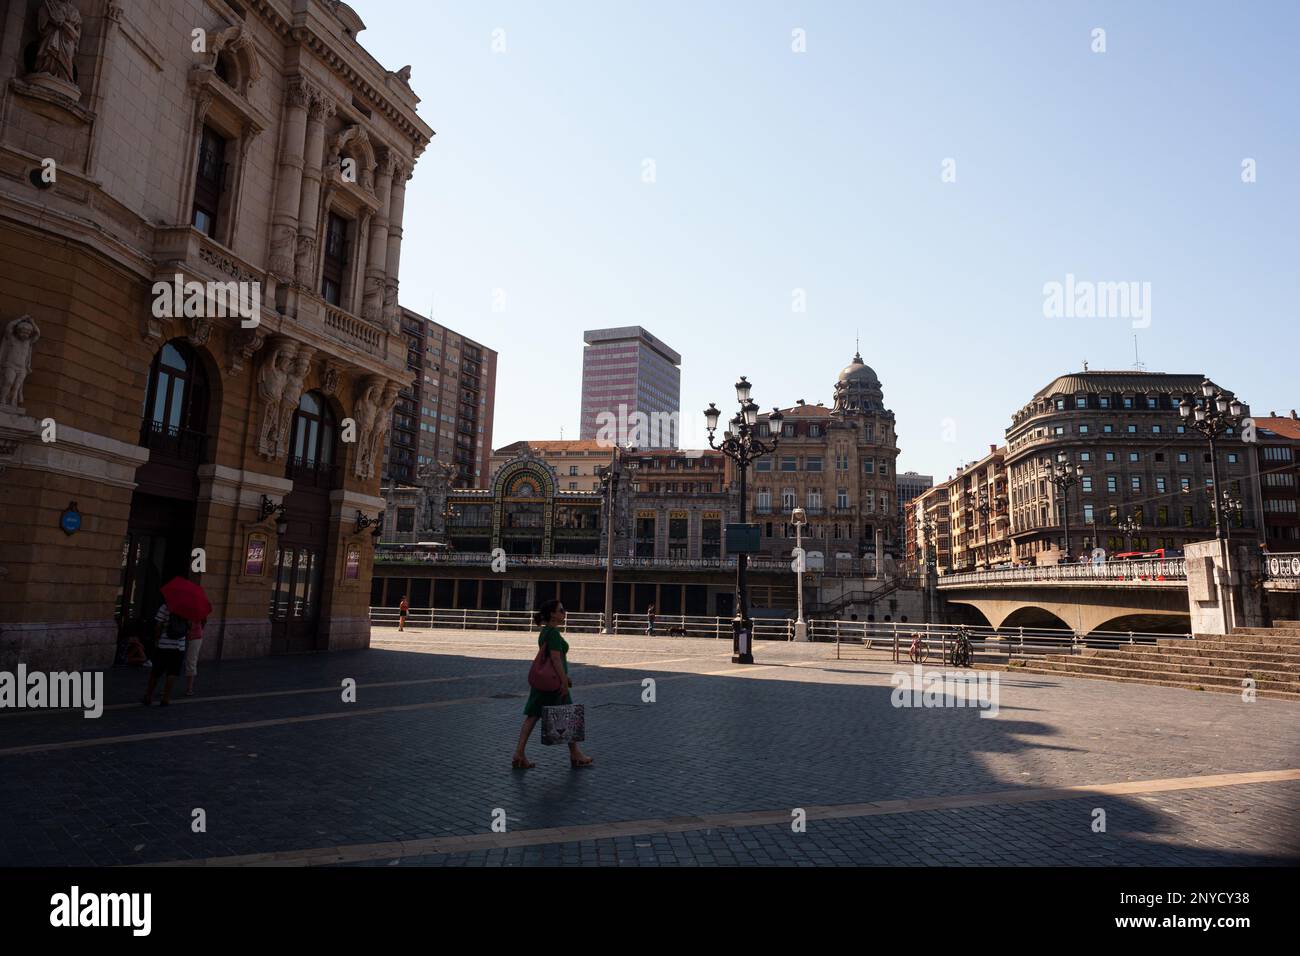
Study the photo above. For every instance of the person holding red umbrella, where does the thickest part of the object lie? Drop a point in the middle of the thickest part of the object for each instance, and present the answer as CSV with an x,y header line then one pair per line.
x,y
184,602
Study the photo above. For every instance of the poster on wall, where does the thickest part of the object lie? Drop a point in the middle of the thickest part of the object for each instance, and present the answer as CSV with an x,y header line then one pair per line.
x,y
255,559
352,563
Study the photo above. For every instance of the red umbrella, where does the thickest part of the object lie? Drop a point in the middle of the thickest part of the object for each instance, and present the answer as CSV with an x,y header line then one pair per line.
x,y
187,599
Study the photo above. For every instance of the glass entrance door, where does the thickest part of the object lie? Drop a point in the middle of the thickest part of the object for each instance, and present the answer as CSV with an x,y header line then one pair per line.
x,y
295,600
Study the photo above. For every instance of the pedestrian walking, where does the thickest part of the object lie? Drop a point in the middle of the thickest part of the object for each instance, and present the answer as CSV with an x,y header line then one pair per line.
x,y
650,620
169,656
402,608
556,656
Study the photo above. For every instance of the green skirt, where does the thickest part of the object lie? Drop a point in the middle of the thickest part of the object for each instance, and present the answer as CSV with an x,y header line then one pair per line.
x,y
543,698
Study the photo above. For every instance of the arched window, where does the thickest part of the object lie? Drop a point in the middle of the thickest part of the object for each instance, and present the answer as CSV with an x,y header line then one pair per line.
x,y
313,435
175,416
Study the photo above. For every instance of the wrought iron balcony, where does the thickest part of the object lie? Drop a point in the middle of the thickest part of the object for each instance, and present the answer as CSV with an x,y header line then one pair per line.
x,y
178,444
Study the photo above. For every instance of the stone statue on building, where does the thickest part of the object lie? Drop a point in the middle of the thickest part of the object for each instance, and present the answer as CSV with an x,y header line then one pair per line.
x,y
59,23
271,380
299,369
383,423
21,335
368,409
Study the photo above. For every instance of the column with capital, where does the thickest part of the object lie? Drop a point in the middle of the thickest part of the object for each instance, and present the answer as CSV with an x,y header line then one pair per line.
x,y
321,109
372,308
396,207
284,221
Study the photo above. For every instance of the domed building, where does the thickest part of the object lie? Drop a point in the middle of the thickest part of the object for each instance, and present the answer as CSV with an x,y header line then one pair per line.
x,y
837,463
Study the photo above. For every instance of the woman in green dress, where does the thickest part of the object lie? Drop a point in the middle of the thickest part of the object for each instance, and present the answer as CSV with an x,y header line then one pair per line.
x,y
551,617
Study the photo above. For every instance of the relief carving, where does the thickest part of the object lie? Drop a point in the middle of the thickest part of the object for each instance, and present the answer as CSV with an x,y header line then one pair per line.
x,y
243,344
200,330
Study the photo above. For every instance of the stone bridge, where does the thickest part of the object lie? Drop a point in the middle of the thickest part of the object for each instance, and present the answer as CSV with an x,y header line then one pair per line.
x,y
1134,596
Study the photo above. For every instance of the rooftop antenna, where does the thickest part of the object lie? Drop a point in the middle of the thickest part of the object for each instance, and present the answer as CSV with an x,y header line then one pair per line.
x,y
1137,362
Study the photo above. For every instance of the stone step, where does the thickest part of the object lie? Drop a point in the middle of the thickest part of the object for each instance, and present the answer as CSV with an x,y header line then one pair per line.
x,y
1272,640
1191,655
1033,669
1268,631
1153,672
1224,669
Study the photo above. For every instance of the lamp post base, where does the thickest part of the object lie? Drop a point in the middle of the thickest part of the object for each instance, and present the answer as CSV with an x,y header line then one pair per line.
x,y
742,641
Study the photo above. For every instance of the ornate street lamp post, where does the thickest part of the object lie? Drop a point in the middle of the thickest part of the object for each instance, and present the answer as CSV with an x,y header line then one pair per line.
x,y
741,445
925,531
985,508
1129,526
800,518
1213,416
1063,477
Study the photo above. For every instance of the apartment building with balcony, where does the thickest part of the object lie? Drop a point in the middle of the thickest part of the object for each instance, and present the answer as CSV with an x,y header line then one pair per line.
x,y
443,418
979,519
1278,457
929,534
269,169
1140,461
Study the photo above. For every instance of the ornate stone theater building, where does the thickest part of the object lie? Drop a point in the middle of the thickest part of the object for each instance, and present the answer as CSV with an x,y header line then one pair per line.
x,y
200,234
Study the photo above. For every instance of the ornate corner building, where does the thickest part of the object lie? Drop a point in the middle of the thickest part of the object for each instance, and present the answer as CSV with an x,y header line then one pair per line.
x,y
201,211
837,464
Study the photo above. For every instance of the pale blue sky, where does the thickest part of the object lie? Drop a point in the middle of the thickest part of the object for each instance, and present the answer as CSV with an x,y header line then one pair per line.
x,y
821,171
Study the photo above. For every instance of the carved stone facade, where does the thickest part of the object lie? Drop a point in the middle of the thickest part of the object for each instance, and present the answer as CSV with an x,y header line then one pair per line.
x,y
268,167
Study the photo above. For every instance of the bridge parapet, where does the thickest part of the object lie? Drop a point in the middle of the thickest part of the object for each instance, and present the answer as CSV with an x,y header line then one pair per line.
x,y
1171,573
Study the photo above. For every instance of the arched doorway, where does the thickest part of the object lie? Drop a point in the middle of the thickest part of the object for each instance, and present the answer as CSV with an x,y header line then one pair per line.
x,y
175,427
301,551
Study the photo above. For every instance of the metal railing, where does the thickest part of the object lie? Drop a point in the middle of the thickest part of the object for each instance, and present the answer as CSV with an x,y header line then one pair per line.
x,y
1282,567
1105,572
991,645
571,560
579,622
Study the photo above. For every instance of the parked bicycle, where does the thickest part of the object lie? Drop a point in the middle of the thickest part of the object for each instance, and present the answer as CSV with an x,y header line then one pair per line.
x,y
963,651
918,652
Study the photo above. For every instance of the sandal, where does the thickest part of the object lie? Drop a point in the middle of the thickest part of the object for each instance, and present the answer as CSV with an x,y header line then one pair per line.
x,y
521,763
581,764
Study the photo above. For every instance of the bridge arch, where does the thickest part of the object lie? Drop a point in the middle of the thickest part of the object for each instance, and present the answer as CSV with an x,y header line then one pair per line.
x,y
1152,623
1031,615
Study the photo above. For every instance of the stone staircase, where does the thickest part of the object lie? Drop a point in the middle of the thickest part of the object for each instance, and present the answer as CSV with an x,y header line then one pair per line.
x,y
1270,655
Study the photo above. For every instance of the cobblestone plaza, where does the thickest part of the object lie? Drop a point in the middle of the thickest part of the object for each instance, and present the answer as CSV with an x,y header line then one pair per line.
x,y
416,770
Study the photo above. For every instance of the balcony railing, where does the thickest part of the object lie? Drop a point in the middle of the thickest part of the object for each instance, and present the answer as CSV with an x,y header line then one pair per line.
x,y
178,444
313,474
1282,567
353,330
